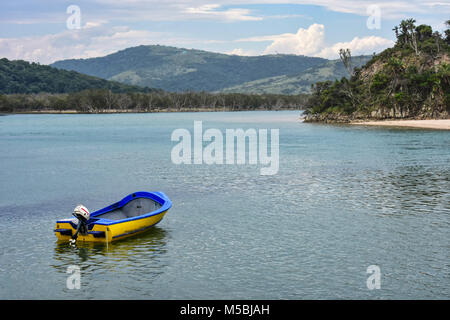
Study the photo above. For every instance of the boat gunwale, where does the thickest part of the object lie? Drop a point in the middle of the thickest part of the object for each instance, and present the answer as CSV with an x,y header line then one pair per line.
x,y
159,197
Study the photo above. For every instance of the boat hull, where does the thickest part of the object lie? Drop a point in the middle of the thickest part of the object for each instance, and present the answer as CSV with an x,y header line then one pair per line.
x,y
107,230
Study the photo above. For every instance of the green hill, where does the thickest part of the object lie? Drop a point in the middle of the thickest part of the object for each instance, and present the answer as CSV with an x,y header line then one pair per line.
x,y
298,83
177,69
410,80
23,77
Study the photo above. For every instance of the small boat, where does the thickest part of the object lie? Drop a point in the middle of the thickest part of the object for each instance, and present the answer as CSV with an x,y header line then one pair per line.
x,y
133,214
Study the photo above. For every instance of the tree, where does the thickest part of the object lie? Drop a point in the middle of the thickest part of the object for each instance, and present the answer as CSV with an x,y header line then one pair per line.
x,y
124,101
437,39
406,34
412,35
110,99
424,32
447,32
346,58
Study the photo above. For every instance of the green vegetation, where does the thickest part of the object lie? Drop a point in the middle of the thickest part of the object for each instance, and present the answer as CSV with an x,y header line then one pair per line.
x,y
410,80
178,70
30,87
298,83
96,101
24,77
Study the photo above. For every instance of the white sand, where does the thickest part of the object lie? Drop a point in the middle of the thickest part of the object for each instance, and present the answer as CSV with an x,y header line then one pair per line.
x,y
430,124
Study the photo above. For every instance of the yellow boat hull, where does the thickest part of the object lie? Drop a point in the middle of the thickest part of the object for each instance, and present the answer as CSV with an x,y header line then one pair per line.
x,y
104,227
112,232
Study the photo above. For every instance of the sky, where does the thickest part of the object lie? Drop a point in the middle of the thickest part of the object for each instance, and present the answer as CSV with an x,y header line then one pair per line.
x,y
46,31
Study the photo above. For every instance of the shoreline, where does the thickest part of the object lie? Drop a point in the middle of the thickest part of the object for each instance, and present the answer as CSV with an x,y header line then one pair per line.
x,y
437,124
141,111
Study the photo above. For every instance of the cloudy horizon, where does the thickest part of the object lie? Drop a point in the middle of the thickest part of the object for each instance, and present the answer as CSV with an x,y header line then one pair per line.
x,y
40,32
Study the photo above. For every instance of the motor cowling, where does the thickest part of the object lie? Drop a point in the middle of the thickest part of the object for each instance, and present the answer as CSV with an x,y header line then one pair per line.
x,y
82,214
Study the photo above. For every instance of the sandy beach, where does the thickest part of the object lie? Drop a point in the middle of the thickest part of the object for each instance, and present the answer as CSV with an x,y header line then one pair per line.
x,y
429,124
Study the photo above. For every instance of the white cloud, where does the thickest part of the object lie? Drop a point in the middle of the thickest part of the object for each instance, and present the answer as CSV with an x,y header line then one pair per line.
x,y
358,46
306,41
224,10
210,11
98,39
311,42
94,39
167,9
242,52
90,41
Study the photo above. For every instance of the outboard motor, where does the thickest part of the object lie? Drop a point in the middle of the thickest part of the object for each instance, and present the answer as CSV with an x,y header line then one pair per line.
x,y
82,214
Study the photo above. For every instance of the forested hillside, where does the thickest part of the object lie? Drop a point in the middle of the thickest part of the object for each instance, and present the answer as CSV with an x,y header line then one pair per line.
x,y
20,76
410,80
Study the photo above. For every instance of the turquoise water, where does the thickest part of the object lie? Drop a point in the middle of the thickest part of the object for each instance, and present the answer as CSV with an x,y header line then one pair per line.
x,y
344,198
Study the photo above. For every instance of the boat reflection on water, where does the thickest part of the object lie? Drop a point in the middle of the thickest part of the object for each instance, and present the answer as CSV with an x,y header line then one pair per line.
x,y
114,265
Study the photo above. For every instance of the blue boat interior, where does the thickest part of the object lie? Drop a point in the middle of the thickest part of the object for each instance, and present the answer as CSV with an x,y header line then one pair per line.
x,y
134,206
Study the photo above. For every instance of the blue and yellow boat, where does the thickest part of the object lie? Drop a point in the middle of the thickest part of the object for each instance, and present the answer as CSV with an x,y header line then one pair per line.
x,y
133,214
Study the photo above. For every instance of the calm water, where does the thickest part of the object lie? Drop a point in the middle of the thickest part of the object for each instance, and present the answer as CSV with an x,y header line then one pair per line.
x,y
344,198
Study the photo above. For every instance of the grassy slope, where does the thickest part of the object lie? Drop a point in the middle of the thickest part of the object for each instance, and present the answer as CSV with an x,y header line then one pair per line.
x,y
299,83
177,69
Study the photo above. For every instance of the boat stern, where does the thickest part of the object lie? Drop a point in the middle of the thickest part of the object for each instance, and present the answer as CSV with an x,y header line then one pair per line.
x,y
65,229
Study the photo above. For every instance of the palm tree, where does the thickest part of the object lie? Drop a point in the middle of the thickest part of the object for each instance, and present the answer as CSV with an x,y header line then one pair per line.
x,y
447,32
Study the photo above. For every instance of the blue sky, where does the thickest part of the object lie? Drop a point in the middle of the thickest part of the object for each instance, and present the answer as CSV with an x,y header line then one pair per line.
x,y
37,30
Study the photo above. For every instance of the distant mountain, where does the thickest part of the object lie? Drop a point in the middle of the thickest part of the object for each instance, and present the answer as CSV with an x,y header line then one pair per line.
x,y
19,76
176,69
298,83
